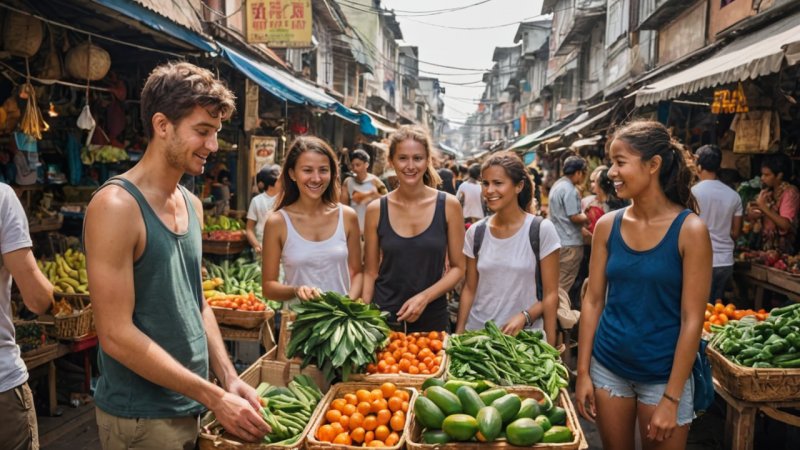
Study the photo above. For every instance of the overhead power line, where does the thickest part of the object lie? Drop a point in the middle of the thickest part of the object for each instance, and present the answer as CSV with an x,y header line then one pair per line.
x,y
409,13
489,27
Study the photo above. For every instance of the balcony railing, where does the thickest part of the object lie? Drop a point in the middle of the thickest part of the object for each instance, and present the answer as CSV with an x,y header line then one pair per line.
x,y
654,13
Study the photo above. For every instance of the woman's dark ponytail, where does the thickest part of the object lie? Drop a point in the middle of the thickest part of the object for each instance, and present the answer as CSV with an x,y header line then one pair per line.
x,y
515,170
650,138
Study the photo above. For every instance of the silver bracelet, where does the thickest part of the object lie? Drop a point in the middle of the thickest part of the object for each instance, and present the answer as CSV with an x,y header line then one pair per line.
x,y
528,321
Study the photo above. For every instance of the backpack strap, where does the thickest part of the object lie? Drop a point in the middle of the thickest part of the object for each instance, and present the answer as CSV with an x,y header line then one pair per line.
x,y
480,231
534,237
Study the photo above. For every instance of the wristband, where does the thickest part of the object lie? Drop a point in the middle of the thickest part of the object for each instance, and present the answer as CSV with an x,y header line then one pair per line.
x,y
528,321
671,398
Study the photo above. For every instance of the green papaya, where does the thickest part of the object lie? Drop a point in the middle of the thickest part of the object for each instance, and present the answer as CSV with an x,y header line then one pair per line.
x,y
435,437
460,427
558,435
524,432
490,423
509,406
492,394
432,382
427,413
557,416
544,422
447,402
471,402
530,408
453,385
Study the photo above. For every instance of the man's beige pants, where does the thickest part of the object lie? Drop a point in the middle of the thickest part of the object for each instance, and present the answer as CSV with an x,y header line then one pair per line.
x,y
18,427
122,433
570,263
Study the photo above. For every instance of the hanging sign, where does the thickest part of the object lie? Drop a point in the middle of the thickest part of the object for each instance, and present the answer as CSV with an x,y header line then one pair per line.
x,y
729,101
279,23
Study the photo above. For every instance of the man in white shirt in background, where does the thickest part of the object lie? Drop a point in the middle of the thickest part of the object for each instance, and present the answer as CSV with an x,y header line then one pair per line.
x,y
268,181
18,426
721,210
470,195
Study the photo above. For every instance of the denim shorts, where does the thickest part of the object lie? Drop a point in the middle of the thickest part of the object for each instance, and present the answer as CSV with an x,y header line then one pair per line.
x,y
648,394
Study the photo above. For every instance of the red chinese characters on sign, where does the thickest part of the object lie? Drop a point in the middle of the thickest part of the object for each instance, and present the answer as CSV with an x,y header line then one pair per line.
x,y
279,23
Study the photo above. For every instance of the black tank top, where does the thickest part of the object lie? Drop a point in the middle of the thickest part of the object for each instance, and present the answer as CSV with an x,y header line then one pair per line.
x,y
411,265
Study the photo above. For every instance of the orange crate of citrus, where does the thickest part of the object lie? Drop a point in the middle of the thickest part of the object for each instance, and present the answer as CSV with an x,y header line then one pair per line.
x,y
364,417
238,302
413,353
720,313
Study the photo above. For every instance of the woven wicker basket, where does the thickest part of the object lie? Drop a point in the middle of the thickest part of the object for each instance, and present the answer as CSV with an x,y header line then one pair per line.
x,y
76,325
285,335
414,436
751,384
415,380
224,247
338,391
242,319
273,372
22,34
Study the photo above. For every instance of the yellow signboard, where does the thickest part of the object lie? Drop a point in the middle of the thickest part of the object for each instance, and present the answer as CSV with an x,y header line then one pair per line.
x,y
279,23
729,101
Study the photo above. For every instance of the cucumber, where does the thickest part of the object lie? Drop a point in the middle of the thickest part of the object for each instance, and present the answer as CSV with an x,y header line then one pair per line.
x,y
447,402
435,437
427,413
524,432
492,394
509,406
544,422
471,402
460,427
490,424
558,435
557,416
530,408
432,382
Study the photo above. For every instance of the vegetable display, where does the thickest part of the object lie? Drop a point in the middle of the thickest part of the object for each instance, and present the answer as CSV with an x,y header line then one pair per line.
x,y
720,314
773,343
240,278
341,336
287,410
507,360
370,418
223,228
414,353
465,411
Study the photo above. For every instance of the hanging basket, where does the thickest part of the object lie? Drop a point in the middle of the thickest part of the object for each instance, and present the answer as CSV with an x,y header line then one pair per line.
x,y
87,61
22,34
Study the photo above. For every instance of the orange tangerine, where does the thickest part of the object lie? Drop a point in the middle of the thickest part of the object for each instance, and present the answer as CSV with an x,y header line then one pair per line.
x,y
351,399
349,409
395,403
343,438
376,394
357,435
337,428
382,432
397,422
370,423
369,436
356,420
376,443
384,416
326,433
363,395
338,404
333,415
364,407
392,439
345,422
378,405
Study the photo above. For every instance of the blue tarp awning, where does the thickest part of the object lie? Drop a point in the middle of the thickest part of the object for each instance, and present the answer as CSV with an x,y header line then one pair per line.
x,y
160,23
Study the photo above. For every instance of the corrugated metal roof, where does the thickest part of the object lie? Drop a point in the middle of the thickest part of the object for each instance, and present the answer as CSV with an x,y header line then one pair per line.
x,y
757,54
183,12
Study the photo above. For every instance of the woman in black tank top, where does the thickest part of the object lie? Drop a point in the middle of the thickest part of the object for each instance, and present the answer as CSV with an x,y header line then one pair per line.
x,y
409,236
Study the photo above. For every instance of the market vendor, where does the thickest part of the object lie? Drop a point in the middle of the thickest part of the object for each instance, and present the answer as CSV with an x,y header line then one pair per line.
x,y
17,414
261,205
777,205
157,335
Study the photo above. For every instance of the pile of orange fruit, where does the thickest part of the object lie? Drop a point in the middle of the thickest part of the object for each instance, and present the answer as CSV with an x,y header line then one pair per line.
x,y
239,302
367,418
414,353
720,313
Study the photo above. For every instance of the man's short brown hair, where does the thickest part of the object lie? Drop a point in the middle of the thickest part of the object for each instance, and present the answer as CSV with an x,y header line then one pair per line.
x,y
176,88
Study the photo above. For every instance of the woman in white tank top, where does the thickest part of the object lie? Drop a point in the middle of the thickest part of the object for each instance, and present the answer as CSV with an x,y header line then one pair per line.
x,y
316,238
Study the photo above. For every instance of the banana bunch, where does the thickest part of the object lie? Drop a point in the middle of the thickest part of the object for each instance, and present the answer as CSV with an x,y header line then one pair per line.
x,y
67,272
210,288
103,154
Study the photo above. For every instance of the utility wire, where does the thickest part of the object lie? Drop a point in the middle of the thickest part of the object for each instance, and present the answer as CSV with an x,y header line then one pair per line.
x,y
489,27
409,13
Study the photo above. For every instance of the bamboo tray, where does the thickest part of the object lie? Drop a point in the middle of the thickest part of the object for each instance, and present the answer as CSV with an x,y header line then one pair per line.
x,y
242,319
753,384
338,391
414,437
273,372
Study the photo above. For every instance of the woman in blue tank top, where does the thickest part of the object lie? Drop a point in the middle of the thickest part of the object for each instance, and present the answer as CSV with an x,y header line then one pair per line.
x,y
649,279
409,235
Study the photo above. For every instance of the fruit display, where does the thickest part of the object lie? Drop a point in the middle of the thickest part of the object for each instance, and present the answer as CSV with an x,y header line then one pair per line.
x,y
368,418
524,359
223,228
67,272
414,353
720,314
482,412
774,259
771,343
238,302
240,277
103,154
337,334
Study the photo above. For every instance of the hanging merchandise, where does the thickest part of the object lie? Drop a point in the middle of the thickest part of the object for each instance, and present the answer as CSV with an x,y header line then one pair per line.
x,y
12,115
33,123
87,61
756,132
26,159
52,69
22,34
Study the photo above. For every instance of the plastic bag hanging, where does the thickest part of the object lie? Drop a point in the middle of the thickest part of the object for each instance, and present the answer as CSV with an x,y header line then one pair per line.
x,y
85,119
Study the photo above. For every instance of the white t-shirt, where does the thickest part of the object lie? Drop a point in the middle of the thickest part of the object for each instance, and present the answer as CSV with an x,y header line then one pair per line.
x,y
472,199
13,236
507,273
369,185
718,205
260,207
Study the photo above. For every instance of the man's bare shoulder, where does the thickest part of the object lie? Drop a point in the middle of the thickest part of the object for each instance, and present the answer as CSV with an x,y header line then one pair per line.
x,y
114,209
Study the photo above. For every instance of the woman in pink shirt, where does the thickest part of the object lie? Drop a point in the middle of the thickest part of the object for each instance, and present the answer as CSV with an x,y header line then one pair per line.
x,y
777,205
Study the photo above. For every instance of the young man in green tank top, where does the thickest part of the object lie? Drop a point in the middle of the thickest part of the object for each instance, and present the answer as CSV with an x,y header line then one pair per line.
x,y
158,337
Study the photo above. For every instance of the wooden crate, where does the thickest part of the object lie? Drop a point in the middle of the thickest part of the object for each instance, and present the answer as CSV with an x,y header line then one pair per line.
x,y
754,384
783,279
277,373
242,319
414,441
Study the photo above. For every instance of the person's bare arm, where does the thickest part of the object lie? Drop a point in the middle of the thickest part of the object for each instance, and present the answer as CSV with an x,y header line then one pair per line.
x,y
549,303
413,308
36,290
344,197
695,246
251,235
372,251
736,227
353,252
112,231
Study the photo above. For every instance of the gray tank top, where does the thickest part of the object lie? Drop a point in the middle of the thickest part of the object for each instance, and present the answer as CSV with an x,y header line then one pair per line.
x,y
169,297
411,265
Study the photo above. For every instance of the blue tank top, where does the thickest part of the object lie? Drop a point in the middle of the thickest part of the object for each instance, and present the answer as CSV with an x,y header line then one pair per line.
x,y
639,327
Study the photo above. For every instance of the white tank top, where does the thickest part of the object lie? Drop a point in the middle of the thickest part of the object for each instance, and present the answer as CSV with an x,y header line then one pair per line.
x,y
321,264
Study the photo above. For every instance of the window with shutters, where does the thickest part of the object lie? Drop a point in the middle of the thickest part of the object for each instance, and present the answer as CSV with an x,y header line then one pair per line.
x,y
617,20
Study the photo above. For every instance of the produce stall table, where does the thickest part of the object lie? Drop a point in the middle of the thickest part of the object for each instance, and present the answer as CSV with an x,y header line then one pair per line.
x,y
741,416
262,335
766,278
